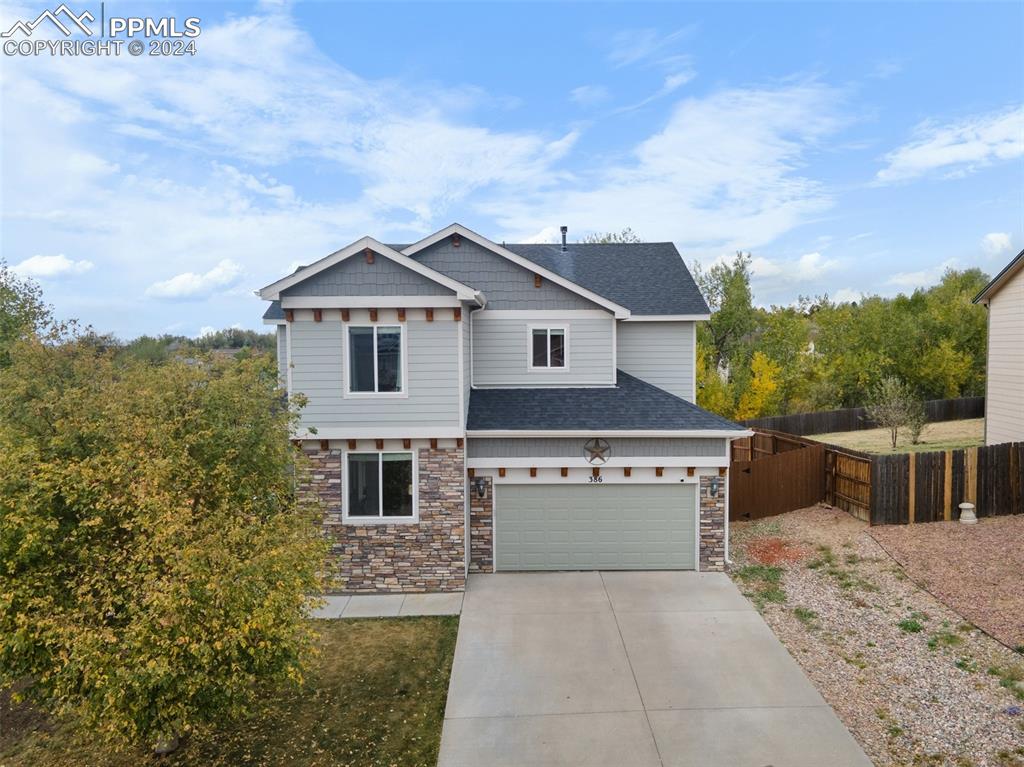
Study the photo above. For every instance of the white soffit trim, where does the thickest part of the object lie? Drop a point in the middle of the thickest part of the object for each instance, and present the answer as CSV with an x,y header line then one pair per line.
x,y
697,433
541,314
667,317
275,322
616,462
385,432
272,292
621,312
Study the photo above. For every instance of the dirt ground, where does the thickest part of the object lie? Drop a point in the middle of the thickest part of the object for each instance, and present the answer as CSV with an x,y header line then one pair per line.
x,y
944,435
978,570
916,683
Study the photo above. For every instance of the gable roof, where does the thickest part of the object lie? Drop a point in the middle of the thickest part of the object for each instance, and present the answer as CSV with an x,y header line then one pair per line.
x,y
1000,279
272,292
631,405
648,277
620,311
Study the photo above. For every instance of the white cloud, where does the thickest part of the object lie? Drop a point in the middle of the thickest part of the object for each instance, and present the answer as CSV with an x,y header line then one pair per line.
x,y
191,285
923,278
722,174
51,267
958,148
632,46
589,95
807,268
995,243
847,296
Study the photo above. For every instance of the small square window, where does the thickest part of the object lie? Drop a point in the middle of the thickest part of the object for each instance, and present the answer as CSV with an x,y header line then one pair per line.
x,y
548,347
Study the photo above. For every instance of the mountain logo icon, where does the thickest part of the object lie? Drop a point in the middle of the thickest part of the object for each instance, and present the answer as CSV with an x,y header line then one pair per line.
x,y
54,16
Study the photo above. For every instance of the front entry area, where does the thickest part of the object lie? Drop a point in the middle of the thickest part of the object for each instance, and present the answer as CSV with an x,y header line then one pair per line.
x,y
623,526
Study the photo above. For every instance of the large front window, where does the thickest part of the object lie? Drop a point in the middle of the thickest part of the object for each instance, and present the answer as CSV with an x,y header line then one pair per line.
x,y
375,359
547,347
380,485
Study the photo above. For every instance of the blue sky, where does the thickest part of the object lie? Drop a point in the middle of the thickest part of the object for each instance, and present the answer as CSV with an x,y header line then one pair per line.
x,y
851,149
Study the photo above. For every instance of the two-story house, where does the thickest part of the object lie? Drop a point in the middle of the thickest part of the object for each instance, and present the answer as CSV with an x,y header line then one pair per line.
x,y
474,407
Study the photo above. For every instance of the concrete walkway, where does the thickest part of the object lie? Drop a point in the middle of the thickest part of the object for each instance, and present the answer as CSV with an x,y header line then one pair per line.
x,y
652,669
389,605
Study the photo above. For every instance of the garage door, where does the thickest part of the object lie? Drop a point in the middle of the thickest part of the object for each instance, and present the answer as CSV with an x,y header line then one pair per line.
x,y
595,527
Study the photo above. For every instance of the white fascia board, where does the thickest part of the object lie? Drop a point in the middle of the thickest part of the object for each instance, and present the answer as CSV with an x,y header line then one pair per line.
x,y
620,312
369,302
667,317
272,292
385,432
542,314
275,322
615,462
694,433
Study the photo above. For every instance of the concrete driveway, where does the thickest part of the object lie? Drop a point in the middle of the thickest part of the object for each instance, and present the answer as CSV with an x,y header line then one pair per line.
x,y
639,669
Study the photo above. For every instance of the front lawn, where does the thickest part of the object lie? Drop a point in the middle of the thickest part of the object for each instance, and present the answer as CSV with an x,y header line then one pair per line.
x,y
915,682
942,435
377,697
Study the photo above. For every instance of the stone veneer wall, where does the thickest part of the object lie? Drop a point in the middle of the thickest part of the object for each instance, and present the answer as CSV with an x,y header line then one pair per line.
x,y
424,556
481,530
712,526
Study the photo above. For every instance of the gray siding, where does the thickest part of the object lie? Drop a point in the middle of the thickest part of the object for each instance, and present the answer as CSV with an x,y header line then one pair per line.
x,y
500,352
282,355
355,277
660,353
433,383
506,285
572,447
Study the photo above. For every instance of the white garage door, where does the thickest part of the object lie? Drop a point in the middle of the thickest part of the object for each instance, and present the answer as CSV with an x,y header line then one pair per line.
x,y
595,527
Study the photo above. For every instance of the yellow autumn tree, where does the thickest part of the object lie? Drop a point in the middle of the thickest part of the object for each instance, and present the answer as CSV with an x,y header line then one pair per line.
x,y
713,393
760,395
155,560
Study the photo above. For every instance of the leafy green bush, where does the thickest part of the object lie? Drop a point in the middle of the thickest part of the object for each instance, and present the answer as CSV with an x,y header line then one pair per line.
x,y
155,562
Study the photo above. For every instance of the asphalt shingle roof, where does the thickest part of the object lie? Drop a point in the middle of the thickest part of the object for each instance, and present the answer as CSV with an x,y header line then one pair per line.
x,y
631,404
645,277
274,311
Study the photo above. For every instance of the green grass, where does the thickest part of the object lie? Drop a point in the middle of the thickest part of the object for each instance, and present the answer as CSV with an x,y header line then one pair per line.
x,y
944,639
806,616
911,625
945,435
376,698
765,584
1010,678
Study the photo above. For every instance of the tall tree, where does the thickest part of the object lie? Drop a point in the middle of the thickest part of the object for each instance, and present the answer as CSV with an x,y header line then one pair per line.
x,y
726,287
607,238
22,310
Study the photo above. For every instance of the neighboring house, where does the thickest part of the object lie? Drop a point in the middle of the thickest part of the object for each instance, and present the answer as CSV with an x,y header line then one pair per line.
x,y
1004,394
476,407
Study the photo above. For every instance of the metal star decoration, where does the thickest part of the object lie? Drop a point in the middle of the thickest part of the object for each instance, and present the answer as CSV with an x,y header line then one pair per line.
x,y
597,451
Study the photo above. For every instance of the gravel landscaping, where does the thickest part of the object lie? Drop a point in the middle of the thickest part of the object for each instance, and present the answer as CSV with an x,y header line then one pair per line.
x,y
975,569
916,683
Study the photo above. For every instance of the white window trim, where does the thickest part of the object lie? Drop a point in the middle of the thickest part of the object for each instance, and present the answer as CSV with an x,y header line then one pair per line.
x,y
347,362
529,348
348,520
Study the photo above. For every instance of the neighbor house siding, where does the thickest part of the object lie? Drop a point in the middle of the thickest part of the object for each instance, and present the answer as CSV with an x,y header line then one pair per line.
x,y
282,355
355,277
506,285
621,447
501,357
318,371
660,353
1004,403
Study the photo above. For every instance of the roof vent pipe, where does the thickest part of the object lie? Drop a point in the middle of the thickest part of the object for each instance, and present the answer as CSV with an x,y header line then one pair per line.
x,y
565,230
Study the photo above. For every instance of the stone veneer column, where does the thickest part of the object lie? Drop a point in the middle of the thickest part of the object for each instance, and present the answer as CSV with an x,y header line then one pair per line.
x,y
712,526
407,557
481,529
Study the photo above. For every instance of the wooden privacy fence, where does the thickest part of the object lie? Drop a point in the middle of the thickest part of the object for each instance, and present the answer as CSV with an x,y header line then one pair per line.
x,y
855,418
929,487
772,472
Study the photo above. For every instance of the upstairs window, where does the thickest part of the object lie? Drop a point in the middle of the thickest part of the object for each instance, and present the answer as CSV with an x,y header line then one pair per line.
x,y
375,359
548,347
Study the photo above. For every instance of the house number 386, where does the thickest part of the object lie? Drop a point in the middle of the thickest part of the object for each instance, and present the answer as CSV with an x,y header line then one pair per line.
x,y
592,478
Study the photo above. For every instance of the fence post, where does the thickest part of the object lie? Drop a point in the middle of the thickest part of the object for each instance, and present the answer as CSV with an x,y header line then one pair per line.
x,y
947,489
911,487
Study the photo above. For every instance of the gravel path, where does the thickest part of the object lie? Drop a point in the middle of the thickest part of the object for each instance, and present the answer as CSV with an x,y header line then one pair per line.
x,y
978,570
919,695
